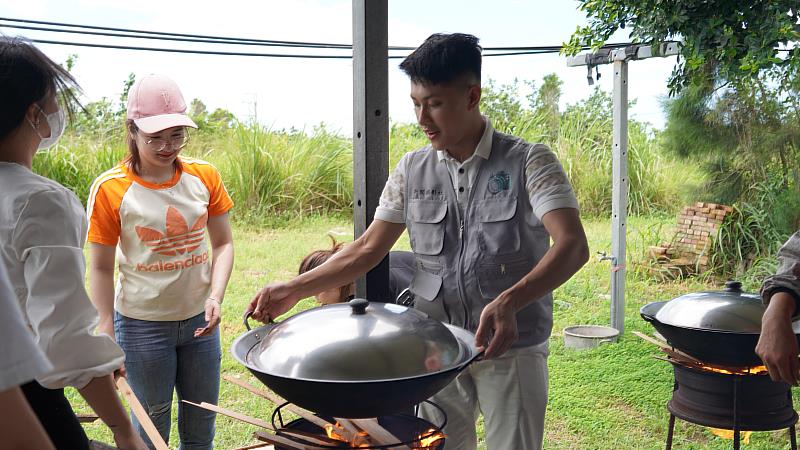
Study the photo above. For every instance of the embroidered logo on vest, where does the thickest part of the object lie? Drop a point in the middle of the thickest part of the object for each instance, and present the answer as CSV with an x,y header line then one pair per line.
x,y
499,181
427,194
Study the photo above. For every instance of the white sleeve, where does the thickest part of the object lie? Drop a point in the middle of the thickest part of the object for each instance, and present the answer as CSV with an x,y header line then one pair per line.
x,y
48,240
20,360
391,205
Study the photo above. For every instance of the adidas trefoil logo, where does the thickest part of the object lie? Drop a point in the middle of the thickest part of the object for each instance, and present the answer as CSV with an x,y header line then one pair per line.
x,y
179,238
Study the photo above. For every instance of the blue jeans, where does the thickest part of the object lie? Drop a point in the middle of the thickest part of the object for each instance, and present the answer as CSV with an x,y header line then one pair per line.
x,y
164,356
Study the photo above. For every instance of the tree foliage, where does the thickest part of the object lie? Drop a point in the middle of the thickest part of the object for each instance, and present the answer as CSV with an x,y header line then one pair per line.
x,y
729,40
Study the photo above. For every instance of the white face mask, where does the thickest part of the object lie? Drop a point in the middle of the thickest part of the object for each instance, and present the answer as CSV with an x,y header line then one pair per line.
x,y
57,123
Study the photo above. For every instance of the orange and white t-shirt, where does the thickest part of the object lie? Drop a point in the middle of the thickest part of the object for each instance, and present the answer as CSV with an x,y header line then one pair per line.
x,y
159,231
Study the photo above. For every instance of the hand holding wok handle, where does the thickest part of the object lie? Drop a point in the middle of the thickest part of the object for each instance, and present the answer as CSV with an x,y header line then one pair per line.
x,y
272,301
777,344
497,329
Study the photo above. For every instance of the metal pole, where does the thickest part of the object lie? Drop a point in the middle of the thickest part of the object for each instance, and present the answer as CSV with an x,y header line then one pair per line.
x,y
370,128
619,201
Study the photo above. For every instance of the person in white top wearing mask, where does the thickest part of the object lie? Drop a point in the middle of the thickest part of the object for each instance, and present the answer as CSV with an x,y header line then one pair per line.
x,y
20,362
42,232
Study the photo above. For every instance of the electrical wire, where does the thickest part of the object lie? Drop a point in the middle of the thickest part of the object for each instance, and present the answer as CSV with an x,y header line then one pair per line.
x,y
196,38
269,55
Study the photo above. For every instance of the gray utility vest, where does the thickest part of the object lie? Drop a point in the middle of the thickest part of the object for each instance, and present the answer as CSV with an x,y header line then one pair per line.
x,y
464,262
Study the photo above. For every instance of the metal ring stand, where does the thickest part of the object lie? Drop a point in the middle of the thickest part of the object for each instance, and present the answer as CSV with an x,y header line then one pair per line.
x,y
279,424
736,430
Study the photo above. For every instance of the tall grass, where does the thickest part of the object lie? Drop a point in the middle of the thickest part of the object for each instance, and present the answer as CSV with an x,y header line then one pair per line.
x,y
288,172
77,160
750,236
273,173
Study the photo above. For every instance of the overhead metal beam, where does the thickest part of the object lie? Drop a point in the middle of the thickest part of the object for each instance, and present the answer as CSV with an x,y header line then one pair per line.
x,y
607,56
370,128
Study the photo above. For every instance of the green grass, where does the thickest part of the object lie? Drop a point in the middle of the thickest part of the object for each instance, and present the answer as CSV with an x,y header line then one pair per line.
x,y
612,397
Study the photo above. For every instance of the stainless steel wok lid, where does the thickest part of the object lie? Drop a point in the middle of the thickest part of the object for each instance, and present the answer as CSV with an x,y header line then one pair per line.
x,y
359,341
728,310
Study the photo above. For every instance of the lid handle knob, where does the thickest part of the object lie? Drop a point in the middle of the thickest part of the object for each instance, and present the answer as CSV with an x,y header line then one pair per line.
x,y
733,286
359,306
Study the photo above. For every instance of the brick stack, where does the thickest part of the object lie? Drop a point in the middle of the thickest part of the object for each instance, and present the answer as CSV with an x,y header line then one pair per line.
x,y
688,249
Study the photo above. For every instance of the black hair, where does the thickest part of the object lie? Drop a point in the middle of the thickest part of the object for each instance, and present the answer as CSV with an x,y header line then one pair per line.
x,y
28,76
442,58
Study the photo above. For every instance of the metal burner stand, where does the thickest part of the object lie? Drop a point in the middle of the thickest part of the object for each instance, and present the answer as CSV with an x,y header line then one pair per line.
x,y
675,411
278,424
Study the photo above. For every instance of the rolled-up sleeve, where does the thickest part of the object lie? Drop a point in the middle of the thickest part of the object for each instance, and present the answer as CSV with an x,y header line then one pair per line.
x,y
391,205
48,239
546,182
787,277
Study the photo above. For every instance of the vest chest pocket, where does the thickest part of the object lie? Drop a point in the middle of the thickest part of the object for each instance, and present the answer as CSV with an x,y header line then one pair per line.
x,y
499,225
426,226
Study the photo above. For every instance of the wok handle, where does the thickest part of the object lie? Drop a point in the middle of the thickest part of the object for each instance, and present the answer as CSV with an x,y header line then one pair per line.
x,y
246,316
655,307
478,357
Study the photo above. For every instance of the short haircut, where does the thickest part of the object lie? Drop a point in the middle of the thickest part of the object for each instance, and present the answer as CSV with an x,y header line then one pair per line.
x,y
443,58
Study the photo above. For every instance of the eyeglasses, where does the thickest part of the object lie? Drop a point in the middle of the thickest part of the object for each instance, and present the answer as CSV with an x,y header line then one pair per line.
x,y
176,142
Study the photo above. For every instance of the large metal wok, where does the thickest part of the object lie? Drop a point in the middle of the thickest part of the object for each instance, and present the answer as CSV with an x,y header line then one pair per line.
x,y
356,360
719,328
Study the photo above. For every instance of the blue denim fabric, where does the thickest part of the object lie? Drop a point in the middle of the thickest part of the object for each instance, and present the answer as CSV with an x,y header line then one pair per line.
x,y
164,356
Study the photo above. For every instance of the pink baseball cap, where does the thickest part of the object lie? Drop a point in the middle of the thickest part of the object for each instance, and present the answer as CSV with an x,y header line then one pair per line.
x,y
155,103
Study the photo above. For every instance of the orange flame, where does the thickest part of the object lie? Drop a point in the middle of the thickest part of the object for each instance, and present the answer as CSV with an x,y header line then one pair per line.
x,y
427,440
756,370
728,434
359,441
430,441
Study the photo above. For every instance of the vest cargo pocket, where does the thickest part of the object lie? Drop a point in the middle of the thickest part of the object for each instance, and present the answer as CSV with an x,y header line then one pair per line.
x,y
426,226
427,288
493,279
499,225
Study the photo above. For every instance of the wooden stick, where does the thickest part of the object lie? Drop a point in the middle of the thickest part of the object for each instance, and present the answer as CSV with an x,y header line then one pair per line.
x,y
233,414
312,438
349,435
651,340
86,418
377,433
259,446
274,398
282,441
347,425
141,415
666,346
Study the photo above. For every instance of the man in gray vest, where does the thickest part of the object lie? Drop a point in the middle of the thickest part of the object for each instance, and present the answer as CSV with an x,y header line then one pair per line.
x,y
480,207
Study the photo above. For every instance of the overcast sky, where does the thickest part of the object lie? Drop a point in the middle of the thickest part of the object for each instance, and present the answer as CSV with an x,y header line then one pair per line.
x,y
302,93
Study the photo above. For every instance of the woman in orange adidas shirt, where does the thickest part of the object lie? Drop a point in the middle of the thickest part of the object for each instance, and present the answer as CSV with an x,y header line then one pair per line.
x,y
152,210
